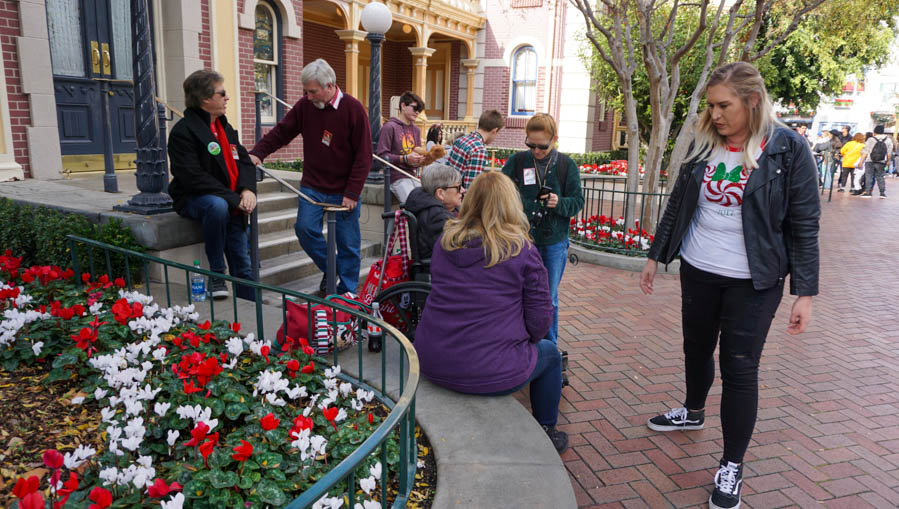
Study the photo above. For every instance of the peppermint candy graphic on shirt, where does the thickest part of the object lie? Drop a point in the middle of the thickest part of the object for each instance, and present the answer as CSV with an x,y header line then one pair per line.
x,y
724,187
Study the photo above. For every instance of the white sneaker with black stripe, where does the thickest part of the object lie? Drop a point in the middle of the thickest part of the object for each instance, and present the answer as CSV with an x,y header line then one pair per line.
x,y
677,419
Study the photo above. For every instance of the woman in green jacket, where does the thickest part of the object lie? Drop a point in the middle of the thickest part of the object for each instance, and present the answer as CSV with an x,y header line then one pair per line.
x,y
550,187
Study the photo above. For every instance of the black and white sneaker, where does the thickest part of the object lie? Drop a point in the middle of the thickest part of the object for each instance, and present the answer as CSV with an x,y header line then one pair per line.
x,y
219,289
728,485
677,419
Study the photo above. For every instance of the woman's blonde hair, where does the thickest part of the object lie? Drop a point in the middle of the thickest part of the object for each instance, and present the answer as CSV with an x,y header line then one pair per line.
x,y
746,82
492,212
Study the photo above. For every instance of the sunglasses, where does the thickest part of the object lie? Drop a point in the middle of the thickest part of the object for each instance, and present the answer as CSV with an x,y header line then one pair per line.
x,y
534,145
416,107
221,93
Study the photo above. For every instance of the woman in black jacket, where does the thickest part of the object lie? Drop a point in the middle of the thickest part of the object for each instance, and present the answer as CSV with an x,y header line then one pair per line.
x,y
742,215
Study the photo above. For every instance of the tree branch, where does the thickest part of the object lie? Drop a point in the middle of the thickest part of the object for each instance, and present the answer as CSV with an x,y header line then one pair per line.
x,y
797,18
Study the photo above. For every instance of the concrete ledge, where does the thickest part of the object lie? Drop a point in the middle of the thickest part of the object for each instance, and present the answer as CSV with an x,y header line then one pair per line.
x,y
617,261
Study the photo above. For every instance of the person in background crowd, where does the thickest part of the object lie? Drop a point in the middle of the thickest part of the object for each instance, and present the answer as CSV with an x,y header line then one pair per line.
x,y
743,215
434,136
851,153
337,159
437,200
398,137
845,134
469,153
486,257
213,179
824,150
875,156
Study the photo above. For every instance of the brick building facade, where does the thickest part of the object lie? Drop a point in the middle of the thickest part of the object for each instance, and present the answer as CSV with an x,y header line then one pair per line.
x,y
459,55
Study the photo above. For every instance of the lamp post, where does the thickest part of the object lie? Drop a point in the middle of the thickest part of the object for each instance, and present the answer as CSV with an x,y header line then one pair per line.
x,y
376,20
151,170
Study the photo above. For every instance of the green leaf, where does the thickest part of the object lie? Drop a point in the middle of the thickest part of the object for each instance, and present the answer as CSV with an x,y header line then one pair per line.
x,y
65,359
220,458
235,410
245,482
270,493
11,364
254,476
275,475
233,397
269,460
57,374
195,489
220,479
217,406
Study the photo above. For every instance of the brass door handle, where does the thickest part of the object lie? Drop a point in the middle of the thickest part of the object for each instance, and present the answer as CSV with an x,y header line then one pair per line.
x,y
107,68
95,57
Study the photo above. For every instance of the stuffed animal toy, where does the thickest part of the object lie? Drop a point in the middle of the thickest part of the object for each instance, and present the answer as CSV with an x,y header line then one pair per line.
x,y
436,152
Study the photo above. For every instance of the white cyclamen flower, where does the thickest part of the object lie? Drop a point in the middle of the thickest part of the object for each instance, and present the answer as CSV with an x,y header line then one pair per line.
x,y
161,408
328,503
235,346
77,400
109,475
173,437
107,414
75,458
367,484
345,389
36,348
99,394
368,504
332,372
176,502
375,471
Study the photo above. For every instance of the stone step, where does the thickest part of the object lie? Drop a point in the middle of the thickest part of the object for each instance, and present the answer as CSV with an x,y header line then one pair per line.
x,y
309,284
274,244
277,221
272,201
290,267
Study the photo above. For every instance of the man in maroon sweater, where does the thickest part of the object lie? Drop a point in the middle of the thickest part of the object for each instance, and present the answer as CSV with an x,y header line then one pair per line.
x,y
337,157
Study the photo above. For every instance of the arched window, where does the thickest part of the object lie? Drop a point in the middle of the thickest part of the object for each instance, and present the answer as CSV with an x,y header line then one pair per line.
x,y
266,55
524,81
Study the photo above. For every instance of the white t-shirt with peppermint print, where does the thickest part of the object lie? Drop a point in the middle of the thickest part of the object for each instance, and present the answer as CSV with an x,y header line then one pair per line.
x,y
714,241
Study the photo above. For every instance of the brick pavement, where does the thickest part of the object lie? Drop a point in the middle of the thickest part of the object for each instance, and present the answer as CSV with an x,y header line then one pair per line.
x,y
827,431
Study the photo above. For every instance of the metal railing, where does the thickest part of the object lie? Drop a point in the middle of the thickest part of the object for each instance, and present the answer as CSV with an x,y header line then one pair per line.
x,y
608,197
402,410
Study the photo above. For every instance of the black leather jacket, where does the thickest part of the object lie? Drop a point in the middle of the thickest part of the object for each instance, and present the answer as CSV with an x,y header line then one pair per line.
x,y
780,215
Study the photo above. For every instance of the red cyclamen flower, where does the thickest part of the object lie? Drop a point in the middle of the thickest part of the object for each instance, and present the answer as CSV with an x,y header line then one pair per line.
x,y
243,451
101,497
269,422
53,459
331,414
160,489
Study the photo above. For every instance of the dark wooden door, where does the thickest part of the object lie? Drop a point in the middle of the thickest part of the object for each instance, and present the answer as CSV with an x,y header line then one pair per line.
x,y
90,48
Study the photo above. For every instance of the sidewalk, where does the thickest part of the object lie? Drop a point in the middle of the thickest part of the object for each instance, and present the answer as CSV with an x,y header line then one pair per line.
x,y
827,431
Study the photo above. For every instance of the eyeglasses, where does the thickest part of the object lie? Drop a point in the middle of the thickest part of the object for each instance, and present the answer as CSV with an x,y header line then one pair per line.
x,y
457,187
534,145
221,93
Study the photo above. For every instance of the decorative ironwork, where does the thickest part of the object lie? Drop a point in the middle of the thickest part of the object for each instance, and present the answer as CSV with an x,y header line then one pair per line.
x,y
374,99
151,163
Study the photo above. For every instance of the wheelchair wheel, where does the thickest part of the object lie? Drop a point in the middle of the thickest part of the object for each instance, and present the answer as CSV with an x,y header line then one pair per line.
x,y
409,301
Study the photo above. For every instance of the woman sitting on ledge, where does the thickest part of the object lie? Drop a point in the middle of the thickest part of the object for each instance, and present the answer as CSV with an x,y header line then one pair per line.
x,y
483,325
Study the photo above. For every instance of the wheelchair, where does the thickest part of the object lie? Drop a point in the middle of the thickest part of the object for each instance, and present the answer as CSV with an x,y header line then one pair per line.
x,y
408,297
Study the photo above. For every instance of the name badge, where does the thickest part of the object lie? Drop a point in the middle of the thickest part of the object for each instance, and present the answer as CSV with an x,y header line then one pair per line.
x,y
234,152
326,138
530,176
214,148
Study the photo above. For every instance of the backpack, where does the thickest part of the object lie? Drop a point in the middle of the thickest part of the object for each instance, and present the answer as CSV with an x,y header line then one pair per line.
x,y
879,154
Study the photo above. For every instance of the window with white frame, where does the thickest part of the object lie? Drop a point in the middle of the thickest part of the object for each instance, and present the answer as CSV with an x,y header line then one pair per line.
x,y
524,81
265,59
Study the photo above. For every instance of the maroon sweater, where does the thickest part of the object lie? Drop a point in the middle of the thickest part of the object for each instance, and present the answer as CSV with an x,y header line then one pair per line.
x,y
341,165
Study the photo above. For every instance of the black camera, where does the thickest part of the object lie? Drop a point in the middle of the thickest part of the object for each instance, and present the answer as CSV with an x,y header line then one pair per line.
x,y
544,192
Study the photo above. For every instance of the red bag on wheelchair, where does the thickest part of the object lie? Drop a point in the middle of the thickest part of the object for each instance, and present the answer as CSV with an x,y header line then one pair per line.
x,y
390,270
321,337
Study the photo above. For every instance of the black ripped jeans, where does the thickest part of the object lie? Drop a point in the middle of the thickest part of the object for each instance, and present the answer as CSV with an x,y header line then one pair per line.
x,y
714,305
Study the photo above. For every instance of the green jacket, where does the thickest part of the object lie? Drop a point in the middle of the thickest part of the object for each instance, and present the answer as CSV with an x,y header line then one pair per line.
x,y
557,220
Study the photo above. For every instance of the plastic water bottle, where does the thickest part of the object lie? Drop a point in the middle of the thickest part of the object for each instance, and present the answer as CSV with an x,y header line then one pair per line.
x,y
375,335
197,285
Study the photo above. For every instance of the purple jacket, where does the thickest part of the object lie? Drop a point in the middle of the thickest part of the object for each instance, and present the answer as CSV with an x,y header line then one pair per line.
x,y
396,139
480,326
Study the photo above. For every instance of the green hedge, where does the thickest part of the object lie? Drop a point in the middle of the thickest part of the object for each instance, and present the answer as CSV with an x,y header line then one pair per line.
x,y
285,165
38,235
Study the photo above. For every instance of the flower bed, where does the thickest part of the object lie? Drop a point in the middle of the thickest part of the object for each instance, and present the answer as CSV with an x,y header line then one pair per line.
x,y
192,413
605,233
